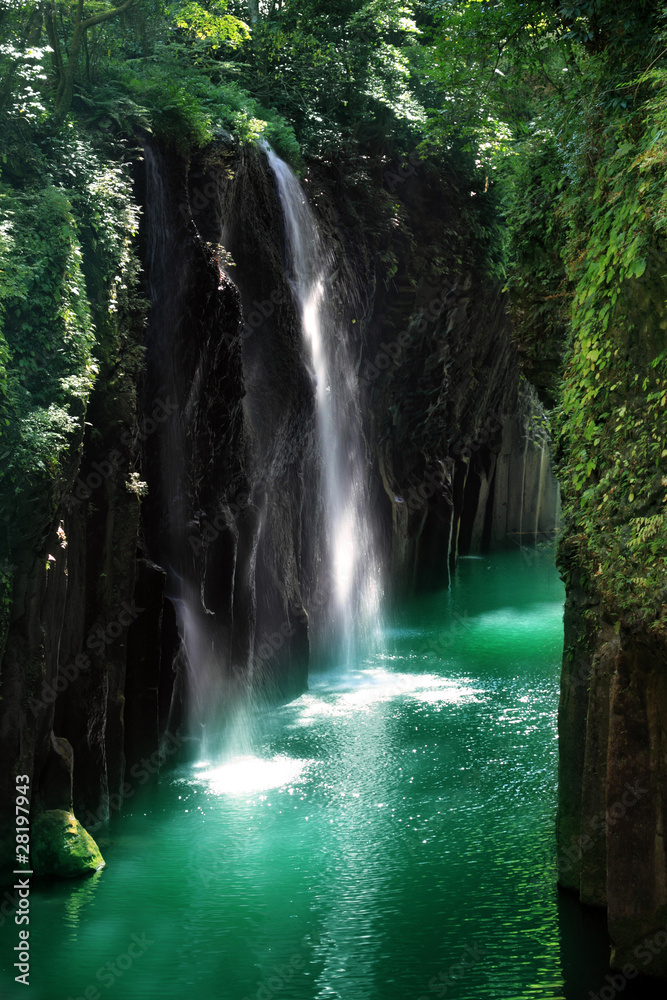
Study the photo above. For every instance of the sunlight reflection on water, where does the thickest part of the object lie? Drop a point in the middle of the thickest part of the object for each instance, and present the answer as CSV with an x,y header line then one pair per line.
x,y
247,774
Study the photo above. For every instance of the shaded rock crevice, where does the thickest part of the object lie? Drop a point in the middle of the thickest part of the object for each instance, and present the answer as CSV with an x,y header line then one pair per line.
x,y
613,755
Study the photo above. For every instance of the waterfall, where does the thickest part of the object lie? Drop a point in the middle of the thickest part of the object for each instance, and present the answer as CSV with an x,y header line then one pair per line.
x,y
539,493
166,366
353,568
202,458
211,673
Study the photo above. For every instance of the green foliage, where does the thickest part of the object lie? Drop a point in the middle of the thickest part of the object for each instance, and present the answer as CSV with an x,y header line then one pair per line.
x,y
65,258
213,27
186,109
612,414
532,185
486,60
175,114
22,76
6,587
611,417
342,73
48,332
549,117
580,92
167,75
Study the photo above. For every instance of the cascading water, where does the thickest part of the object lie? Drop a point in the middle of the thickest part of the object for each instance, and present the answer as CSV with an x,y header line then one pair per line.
x,y
211,673
188,476
539,494
354,571
165,365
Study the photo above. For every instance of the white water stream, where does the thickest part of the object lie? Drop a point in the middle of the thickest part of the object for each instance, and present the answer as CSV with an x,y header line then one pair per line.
x,y
354,569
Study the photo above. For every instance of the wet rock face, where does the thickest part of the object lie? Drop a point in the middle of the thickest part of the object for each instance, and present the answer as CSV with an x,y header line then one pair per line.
x,y
613,756
232,511
637,763
464,455
93,658
56,789
199,521
279,414
62,678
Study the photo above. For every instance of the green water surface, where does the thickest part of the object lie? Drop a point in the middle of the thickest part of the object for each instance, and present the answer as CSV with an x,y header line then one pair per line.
x,y
387,835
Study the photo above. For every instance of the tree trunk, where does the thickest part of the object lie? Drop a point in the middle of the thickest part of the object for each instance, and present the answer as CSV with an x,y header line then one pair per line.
x,y
54,42
65,90
66,86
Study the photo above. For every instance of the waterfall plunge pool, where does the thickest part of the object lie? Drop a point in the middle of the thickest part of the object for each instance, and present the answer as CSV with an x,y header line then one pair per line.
x,y
389,835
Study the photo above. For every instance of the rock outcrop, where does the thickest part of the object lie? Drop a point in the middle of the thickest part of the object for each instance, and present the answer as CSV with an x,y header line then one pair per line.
x,y
613,755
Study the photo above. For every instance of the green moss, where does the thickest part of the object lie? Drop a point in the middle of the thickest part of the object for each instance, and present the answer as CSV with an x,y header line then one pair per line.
x,y
68,277
587,214
611,418
60,846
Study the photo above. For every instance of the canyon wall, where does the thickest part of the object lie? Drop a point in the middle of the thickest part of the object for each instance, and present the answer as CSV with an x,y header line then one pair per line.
x,y
184,562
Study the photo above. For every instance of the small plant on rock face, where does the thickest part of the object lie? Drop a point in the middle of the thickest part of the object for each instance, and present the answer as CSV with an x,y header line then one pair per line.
x,y
134,484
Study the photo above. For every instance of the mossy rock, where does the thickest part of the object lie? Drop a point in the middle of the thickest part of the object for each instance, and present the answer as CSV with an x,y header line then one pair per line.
x,y
60,846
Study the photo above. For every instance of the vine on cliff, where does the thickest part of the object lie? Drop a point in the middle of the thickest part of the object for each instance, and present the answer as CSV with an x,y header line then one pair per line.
x,y
611,417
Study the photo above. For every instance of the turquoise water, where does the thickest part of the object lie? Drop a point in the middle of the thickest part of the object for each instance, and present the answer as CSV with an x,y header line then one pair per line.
x,y
387,835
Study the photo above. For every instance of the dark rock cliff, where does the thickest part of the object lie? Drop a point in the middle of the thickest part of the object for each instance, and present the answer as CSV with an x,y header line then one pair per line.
x,y
612,766
73,610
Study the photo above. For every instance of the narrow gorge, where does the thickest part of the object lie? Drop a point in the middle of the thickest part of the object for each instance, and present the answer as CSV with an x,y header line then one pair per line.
x,y
332,371
228,567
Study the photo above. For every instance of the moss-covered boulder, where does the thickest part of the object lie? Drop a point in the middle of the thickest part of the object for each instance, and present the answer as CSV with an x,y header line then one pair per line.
x,y
60,846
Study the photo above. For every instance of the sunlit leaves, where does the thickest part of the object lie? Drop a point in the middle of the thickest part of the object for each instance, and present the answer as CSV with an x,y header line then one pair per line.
x,y
50,351
22,70
488,59
213,25
338,69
